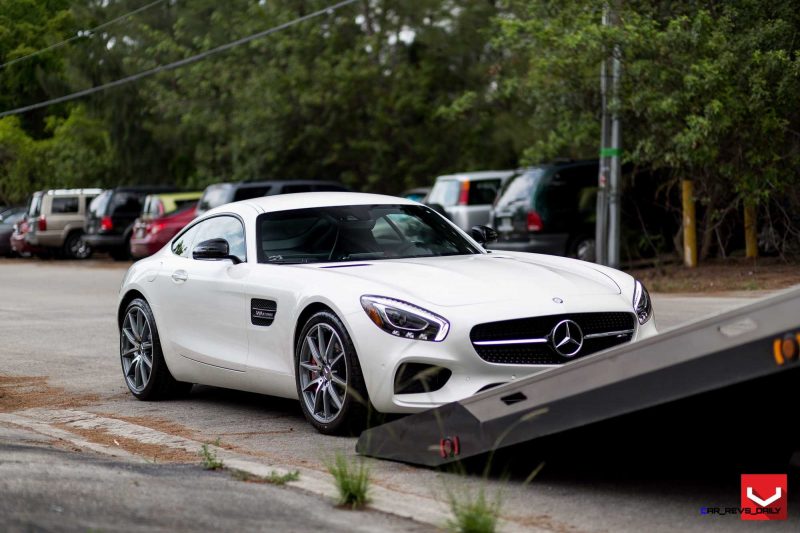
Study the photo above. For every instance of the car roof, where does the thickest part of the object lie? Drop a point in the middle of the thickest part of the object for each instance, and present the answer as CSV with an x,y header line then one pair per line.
x,y
72,192
260,183
147,189
302,200
476,176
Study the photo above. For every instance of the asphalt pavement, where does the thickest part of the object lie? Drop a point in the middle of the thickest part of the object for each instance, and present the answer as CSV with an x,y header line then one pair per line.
x,y
57,320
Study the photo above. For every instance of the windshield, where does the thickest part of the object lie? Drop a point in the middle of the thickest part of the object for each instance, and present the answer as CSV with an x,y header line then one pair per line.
x,y
357,233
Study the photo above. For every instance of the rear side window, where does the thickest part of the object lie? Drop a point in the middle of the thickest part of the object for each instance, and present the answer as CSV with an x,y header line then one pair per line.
x,y
64,205
482,192
445,193
246,193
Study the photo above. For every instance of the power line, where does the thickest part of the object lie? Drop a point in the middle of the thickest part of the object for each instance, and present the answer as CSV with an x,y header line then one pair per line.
x,y
179,63
81,34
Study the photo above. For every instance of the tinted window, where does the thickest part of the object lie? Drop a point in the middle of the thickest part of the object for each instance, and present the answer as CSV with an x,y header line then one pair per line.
x,y
126,203
356,233
445,193
482,192
224,227
572,189
64,204
329,187
245,193
98,206
214,196
288,189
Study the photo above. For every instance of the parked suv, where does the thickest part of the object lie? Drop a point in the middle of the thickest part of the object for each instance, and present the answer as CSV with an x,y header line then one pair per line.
x,y
467,198
56,221
109,223
549,209
224,193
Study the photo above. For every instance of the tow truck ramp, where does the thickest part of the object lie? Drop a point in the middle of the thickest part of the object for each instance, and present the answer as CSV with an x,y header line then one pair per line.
x,y
754,343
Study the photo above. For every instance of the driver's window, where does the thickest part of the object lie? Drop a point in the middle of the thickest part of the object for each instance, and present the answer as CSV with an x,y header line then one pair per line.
x,y
223,227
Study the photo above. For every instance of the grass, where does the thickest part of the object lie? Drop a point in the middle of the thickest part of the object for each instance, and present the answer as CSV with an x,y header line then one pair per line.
x,y
474,514
352,481
273,478
209,457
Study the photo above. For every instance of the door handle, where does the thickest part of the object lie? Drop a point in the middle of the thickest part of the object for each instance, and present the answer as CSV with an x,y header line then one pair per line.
x,y
179,276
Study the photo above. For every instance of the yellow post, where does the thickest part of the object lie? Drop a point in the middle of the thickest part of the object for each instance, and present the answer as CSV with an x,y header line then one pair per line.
x,y
689,223
750,227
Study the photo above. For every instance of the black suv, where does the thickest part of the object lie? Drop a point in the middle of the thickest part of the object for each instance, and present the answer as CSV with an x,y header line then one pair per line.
x,y
109,222
549,209
224,193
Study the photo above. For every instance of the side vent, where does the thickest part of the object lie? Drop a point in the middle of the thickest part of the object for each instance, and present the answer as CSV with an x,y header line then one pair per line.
x,y
262,312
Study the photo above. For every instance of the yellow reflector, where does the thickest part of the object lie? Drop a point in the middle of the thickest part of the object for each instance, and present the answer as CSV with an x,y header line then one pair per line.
x,y
776,350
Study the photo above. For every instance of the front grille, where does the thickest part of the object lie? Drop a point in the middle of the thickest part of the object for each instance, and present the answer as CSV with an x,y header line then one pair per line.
x,y
543,353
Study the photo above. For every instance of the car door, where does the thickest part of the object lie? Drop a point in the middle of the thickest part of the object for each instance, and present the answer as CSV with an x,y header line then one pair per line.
x,y
203,303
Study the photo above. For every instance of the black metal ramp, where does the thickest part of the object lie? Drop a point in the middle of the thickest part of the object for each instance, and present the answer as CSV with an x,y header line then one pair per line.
x,y
751,343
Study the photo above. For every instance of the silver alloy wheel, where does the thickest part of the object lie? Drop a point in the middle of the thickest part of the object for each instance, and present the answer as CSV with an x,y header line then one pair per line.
x,y
323,373
79,249
136,349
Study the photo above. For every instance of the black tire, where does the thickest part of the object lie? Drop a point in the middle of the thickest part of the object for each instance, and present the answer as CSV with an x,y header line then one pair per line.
x,y
161,384
352,417
75,247
121,254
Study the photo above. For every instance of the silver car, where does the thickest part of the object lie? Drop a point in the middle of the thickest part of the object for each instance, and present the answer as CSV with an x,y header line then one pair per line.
x,y
467,198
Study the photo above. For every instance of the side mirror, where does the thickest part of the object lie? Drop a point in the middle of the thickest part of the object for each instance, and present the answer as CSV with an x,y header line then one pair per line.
x,y
214,250
483,234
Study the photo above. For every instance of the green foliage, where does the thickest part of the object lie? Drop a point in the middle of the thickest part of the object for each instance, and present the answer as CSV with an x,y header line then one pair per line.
x,y
273,478
209,458
352,481
474,513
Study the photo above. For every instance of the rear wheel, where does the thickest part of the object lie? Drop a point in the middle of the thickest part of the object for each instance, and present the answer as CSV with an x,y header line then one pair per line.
x,y
143,366
76,248
330,385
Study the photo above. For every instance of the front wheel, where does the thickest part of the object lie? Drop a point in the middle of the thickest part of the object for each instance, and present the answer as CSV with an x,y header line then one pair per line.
x,y
143,366
330,385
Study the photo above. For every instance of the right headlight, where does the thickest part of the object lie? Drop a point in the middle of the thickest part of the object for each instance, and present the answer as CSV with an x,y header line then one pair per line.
x,y
405,320
642,305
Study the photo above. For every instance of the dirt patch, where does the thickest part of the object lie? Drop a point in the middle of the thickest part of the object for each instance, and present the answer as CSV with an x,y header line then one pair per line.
x,y
736,274
28,392
159,424
157,453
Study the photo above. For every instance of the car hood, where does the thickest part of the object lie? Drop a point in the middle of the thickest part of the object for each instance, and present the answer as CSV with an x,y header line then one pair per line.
x,y
475,279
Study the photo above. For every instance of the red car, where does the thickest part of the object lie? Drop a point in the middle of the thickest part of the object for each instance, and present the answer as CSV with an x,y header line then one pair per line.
x,y
149,236
19,243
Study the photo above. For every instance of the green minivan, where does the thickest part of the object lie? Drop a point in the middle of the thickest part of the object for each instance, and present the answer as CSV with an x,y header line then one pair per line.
x,y
548,209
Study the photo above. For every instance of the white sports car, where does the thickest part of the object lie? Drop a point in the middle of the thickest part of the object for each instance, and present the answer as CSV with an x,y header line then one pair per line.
x,y
354,301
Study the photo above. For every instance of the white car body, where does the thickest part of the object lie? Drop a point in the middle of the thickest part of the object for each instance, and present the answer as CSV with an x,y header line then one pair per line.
x,y
206,334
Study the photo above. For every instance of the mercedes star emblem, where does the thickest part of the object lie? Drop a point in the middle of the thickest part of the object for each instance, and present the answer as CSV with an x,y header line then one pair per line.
x,y
558,300
567,338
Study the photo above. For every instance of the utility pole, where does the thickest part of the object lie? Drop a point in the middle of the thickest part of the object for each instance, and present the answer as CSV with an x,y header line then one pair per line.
x,y
614,207
601,224
609,218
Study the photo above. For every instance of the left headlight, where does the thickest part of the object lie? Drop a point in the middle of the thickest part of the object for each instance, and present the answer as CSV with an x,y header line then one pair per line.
x,y
403,319
642,305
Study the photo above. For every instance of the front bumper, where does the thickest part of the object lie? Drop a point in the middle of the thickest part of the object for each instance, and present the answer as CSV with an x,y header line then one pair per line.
x,y
381,354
